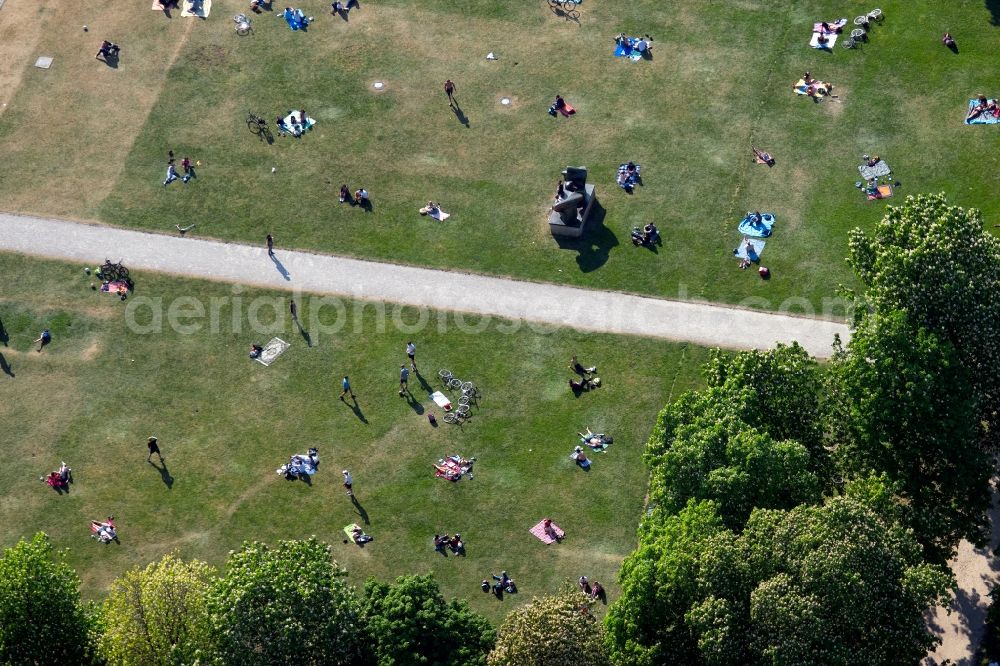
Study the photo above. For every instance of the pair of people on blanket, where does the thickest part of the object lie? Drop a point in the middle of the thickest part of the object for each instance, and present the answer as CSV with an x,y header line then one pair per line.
x,y
638,44
983,106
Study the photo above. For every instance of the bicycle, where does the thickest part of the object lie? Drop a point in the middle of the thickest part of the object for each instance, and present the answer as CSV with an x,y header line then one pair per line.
x,y
458,415
243,26
568,9
258,126
113,272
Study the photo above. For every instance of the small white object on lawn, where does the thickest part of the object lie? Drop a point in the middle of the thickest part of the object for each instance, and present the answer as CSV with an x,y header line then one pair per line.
x,y
44,62
490,56
273,169
505,101
378,85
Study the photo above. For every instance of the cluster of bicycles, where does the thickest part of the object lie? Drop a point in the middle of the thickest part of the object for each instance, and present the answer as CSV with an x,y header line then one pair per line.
x,y
112,272
469,396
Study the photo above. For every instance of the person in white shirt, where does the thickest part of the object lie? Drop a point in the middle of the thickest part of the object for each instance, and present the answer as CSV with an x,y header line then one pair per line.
x,y
411,351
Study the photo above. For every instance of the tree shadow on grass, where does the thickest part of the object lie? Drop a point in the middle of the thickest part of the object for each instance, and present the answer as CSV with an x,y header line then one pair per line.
x,y
165,476
594,248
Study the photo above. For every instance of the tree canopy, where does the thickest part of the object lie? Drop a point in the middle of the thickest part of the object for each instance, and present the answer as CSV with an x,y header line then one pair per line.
x,y
41,620
410,622
554,630
283,605
936,263
158,616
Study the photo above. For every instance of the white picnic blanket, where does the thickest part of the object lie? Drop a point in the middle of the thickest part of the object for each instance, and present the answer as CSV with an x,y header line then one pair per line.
x,y
441,400
831,39
756,243
199,8
272,350
438,214
292,121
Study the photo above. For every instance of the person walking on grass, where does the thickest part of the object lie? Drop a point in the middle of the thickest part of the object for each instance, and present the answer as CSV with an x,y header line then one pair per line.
x,y
411,352
346,385
270,245
348,483
294,309
153,448
404,377
449,90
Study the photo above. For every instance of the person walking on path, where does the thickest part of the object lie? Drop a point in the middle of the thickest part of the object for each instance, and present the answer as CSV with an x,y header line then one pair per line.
x,y
171,173
411,352
153,448
270,245
404,377
294,309
348,483
43,339
449,89
346,385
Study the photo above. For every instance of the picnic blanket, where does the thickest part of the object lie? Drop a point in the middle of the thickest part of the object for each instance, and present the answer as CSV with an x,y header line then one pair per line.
x,y
984,118
438,214
566,110
349,531
295,19
834,25
625,181
760,229
441,400
292,122
877,171
802,88
756,243
157,7
199,8
884,192
272,350
622,51
453,467
831,39
118,287
543,536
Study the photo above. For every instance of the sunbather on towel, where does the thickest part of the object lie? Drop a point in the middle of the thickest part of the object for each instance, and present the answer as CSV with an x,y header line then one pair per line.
x,y
981,106
359,536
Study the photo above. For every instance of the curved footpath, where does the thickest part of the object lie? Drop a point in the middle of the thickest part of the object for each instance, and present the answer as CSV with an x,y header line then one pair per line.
x,y
540,303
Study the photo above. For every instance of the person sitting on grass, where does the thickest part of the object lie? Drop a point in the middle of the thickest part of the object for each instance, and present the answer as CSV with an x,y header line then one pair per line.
x,y
345,194
55,480
548,529
596,591
948,40
576,367
361,197
584,585
43,339
580,458
108,50
484,585
359,536
650,234
456,544
255,351
440,542
65,473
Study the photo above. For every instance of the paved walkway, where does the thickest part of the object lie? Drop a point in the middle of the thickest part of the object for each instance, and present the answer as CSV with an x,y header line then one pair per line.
x,y
584,309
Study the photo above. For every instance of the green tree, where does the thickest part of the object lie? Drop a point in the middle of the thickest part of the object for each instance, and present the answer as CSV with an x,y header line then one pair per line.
x,y
839,583
41,620
289,604
722,458
411,623
555,630
902,403
158,616
937,263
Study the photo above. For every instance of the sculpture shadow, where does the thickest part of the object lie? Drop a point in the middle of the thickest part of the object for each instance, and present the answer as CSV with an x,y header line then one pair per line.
x,y
994,7
594,248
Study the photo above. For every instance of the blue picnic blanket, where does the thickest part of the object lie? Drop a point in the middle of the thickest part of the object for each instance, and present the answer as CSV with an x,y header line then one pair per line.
x,y
625,181
627,52
761,229
984,118
295,19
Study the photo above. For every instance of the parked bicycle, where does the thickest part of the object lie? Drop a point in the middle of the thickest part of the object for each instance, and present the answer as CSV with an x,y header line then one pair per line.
x,y
258,126
568,9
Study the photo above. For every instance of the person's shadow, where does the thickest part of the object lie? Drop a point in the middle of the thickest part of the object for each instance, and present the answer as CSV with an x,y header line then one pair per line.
x,y
459,114
111,61
360,510
414,403
424,386
356,408
165,476
953,47
304,333
5,366
281,268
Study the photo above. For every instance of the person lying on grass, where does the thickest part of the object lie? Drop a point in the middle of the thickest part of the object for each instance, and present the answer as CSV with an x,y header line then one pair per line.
x,y
981,106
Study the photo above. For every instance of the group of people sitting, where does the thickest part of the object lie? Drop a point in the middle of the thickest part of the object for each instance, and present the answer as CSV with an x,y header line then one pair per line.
x,y
295,19
453,543
983,106
504,583
301,466
104,531
628,176
641,45
292,125
108,51
812,87
360,197
648,236
593,590
60,478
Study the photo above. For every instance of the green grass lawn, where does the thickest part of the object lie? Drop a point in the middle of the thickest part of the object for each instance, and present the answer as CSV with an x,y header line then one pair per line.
x,y
225,423
720,79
